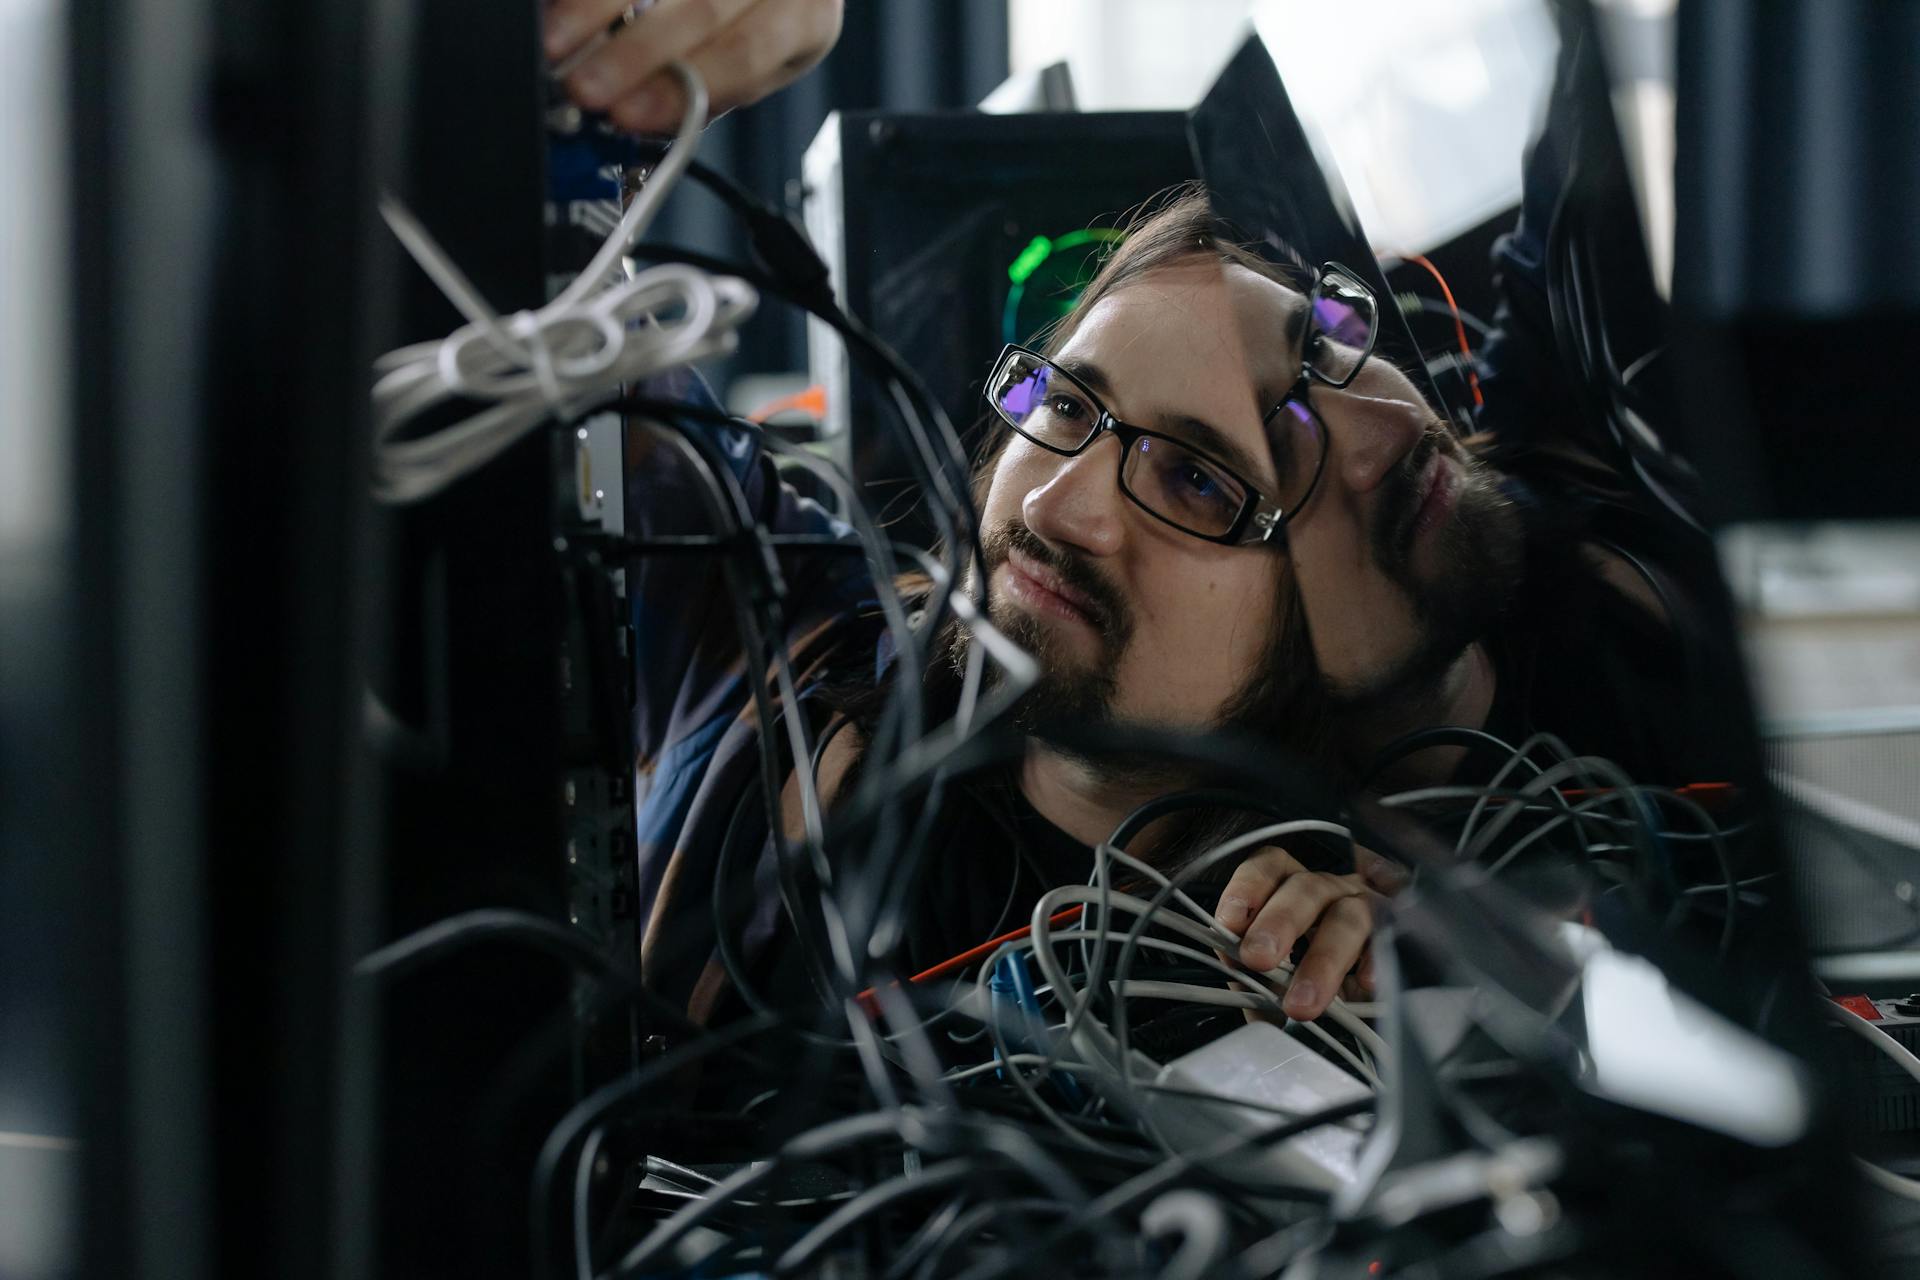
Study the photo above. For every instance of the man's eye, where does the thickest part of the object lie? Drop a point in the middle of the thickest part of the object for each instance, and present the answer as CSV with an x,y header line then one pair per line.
x,y
1198,480
1065,405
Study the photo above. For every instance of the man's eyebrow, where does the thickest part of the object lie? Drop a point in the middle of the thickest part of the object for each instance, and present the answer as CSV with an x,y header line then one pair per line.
x,y
1087,372
1202,435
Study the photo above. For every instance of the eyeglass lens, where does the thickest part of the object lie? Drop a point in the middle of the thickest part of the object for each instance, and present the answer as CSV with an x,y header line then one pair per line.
x,y
1344,315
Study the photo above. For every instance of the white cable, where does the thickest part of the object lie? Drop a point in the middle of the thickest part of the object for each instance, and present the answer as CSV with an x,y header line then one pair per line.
x,y
1193,993
1281,973
1159,877
1279,976
553,363
1888,1180
653,194
1084,1068
1016,1060
1885,1179
1214,936
1522,755
1104,852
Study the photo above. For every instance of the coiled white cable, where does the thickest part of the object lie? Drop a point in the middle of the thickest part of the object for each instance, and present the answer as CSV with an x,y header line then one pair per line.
x,y
1905,1059
553,363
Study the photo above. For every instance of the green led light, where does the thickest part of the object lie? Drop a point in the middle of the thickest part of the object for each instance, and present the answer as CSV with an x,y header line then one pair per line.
x,y
1074,239
1038,250
1030,259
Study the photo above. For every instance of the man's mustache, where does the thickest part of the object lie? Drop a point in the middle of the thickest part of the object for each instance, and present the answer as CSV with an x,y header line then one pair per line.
x,y
1106,605
1399,503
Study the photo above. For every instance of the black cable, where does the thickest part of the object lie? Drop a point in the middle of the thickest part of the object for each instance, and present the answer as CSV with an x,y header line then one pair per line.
x,y
911,398
1161,1176
876,1199
1418,304
790,267
732,513
1439,735
905,711
972,1223
614,985
759,655
475,928
1194,798
582,1207
928,1237
899,377
1577,315
815,1143
784,248
592,1109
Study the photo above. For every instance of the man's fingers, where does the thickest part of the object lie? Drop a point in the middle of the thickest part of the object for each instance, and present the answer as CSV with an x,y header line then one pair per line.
x,y
1382,874
1359,983
621,69
1294,907
570,24
1337,944
767,48
1252,883
780,42
655,107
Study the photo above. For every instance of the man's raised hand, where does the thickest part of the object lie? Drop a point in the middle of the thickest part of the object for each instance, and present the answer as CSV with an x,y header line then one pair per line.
x,y
743,50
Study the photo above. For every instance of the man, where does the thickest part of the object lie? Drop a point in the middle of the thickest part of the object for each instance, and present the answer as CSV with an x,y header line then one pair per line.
x,y
1363,593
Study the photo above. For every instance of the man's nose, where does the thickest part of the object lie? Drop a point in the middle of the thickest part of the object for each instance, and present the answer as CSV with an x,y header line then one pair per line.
x,y
1370,434
1079,505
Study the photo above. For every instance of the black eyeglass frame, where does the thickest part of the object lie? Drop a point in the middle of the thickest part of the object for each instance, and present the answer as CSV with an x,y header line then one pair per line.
x,y
1259,517
1313,323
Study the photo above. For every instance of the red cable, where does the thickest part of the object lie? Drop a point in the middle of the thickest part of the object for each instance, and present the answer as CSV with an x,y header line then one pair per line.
x,y
1711,796
967,957
1459,328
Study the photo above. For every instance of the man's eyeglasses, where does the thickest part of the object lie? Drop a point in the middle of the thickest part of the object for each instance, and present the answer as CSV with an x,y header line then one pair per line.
x,y
1175,481
1342,322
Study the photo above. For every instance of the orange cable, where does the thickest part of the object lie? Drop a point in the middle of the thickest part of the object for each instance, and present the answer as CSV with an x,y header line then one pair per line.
x,y
812,402
967,957
1459,328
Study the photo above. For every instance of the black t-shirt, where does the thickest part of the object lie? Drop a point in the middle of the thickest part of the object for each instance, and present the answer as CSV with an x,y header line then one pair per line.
x,y
989,858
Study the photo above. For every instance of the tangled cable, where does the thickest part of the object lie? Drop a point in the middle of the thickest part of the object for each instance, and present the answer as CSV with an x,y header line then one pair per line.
x,y
553,363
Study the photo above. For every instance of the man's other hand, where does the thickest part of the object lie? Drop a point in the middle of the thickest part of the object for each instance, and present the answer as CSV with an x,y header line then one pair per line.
x,y
743,50
1272,901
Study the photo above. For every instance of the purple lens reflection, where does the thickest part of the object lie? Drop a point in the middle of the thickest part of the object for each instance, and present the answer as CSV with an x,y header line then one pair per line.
x,y
1024,396
1341,321
1297,443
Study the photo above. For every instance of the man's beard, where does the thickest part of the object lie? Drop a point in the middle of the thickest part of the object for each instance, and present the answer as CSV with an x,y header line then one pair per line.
x,y
1477,560
1069,690
1280,701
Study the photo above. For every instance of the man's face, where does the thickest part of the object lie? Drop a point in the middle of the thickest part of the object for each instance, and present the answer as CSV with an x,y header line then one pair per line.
x,y
1137,621
1408,549
1131,618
